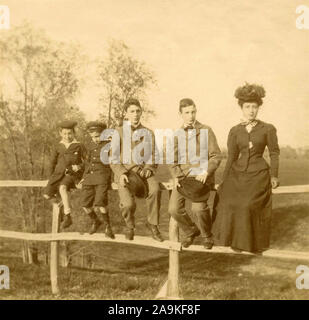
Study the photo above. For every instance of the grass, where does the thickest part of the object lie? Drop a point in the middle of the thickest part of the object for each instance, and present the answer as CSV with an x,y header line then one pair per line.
x,y
131,272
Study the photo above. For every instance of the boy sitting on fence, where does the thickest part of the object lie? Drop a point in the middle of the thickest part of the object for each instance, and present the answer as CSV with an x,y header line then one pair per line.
x,y
66,168
96,181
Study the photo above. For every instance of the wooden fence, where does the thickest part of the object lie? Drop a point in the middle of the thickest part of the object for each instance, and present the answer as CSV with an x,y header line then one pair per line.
x,y
170,289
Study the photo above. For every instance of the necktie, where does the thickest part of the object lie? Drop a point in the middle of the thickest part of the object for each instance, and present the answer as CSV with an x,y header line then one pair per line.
x,y
246,122
189,127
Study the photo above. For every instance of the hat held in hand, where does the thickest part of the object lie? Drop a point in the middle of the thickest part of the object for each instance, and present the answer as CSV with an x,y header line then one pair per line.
x,y
137,185
193,189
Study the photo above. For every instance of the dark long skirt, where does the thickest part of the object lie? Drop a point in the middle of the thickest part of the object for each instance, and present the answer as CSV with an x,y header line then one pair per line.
x,y
242,211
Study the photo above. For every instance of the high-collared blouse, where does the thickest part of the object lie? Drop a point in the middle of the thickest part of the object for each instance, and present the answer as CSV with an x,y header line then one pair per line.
x,y
246,149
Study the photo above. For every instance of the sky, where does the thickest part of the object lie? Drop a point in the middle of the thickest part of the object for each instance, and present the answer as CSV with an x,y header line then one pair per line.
x,y
201,49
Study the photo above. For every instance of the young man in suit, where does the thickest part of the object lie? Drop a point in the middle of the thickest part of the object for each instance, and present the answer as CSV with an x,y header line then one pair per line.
x,y
181,169
133,113
96,181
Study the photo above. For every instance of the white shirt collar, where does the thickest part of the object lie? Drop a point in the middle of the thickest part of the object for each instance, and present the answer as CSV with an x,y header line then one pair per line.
x,y
67,144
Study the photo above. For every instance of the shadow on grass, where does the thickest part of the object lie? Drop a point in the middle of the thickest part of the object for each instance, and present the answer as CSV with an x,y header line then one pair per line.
x,y
290,225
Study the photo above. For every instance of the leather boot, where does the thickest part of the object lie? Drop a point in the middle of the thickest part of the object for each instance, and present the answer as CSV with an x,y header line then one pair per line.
x,y
129,233
108,229
67,221
187,241
208,243
95,223
155,232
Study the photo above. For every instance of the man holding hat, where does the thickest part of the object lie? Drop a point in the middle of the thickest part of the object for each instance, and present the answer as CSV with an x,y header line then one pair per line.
x,y
192,184
66,168
136,179
96,181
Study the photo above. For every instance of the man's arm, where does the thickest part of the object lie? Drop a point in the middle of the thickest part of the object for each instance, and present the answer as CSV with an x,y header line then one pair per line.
x,y
116,157
175,168
154,151
214,153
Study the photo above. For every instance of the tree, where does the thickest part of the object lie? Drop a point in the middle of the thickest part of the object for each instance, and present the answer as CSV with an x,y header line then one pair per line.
x,y
38,84
122,77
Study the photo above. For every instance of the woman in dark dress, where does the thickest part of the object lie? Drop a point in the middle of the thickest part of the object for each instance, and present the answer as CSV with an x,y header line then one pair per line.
x,y
242,208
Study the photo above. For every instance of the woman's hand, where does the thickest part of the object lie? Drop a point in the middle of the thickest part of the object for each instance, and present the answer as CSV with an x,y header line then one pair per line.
x,y
123,180
275,182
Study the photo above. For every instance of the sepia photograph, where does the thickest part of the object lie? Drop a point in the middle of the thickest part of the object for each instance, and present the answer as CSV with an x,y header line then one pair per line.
x,y
154,150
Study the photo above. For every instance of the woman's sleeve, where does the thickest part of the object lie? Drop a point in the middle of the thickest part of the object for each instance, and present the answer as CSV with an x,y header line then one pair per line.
x,y
232,152
274,150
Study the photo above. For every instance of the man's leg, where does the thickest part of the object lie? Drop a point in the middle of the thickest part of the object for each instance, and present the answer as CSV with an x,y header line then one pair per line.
x,y
153,202
203,217
127,208
177,210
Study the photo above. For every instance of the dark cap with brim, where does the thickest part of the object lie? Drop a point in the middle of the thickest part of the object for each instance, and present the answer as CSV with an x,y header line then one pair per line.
x,y
95,126
67,124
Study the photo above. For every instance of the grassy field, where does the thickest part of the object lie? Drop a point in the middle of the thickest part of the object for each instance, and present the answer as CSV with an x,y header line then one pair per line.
x,y
129,272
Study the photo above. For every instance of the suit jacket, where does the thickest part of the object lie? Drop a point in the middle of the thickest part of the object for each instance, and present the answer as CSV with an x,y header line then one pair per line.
x,y
214,155
96,172
242,158
63,158
122,167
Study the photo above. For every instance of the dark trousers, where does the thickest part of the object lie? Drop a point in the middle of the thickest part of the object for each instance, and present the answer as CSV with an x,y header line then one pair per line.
x,y
200,209
94,195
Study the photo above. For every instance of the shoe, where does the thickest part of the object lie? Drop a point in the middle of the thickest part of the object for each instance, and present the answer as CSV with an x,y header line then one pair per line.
x,y
129,234
95,226
108,229
67,221
155,232
109,232
208,243
189,240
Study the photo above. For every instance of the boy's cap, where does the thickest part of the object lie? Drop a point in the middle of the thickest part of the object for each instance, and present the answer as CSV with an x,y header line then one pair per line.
x,y
95,126
67,124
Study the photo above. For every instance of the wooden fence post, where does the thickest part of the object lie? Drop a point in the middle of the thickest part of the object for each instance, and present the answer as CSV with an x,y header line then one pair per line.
x,y
170,288
54,251
173,271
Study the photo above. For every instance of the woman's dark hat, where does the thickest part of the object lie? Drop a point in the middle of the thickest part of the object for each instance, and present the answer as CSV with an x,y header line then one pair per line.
x,y
95,126
137,185
193,189
250,93
67,124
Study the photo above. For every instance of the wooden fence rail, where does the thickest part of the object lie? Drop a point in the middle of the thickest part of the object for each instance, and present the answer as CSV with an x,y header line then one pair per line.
x,y
170,289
